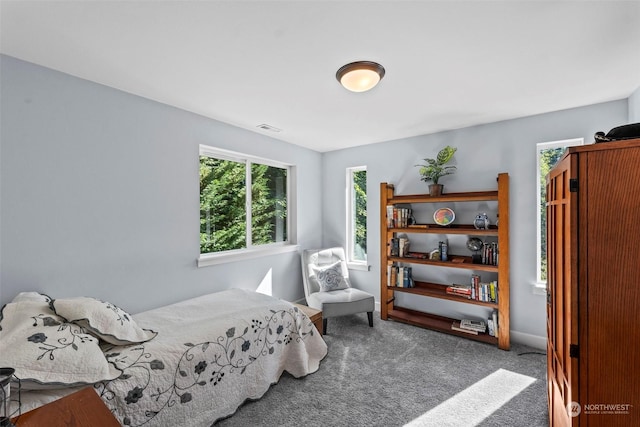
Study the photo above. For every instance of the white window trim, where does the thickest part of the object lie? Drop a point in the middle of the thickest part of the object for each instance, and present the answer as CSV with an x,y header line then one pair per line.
x,y
349,221
251,252
358,265
206,260
540,285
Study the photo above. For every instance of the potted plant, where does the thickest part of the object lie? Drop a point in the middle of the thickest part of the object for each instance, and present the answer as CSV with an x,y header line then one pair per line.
x,y
436,168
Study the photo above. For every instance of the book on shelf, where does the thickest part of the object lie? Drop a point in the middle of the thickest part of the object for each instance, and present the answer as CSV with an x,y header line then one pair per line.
x,y
394,247
456,327
416,255
407,281
398,217
494,318
400,276
459,290
481,291
403,246
490,253
492,330
399,246
493,296
492,324
473,325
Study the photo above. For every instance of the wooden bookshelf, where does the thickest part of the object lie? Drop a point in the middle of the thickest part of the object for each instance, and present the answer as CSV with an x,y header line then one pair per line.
x,y
389,308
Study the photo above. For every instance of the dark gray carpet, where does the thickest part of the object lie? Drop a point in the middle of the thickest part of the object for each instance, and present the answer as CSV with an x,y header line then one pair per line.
x,y
393,373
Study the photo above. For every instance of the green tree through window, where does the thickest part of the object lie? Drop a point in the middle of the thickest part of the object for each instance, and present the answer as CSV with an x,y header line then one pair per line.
x,y
269,204
223,204
360,193
356,216
548,159
548,154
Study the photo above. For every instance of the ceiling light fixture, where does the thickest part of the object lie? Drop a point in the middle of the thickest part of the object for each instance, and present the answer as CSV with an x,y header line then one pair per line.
x,y
360,76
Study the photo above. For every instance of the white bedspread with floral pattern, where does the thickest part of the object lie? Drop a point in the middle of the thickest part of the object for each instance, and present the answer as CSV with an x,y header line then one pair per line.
x,y
211,354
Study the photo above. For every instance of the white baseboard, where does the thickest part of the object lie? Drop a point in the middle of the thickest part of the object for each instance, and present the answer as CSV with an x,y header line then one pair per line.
x,y
534,341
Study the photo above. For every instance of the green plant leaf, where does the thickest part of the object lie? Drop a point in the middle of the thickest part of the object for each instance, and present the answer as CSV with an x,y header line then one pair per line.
x,y
433,169
446,154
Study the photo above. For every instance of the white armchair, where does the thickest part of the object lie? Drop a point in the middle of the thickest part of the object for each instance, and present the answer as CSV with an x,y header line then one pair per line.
x,y
327,286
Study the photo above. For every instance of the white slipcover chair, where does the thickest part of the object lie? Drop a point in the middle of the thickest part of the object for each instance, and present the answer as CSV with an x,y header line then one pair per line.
x,y
338,302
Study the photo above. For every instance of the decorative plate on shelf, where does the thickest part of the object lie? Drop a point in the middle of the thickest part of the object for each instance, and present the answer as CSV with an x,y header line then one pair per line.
x,y
444,216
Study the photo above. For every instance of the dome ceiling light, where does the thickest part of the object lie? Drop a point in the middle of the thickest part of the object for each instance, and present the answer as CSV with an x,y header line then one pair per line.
x,y
360,76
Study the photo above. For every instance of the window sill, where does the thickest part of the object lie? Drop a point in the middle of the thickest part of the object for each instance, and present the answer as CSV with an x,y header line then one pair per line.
x,y
214,259
539,288
358,266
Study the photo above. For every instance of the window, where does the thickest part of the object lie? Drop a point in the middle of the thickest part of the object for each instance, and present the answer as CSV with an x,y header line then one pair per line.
x,y
548,154
234,220
357,217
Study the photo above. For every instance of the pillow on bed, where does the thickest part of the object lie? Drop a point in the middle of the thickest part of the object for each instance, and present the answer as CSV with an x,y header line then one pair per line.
x,y
103,319
330,277
32,296
45,351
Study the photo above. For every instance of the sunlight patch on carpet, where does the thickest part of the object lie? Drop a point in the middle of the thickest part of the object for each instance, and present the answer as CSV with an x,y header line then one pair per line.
x,y
476,402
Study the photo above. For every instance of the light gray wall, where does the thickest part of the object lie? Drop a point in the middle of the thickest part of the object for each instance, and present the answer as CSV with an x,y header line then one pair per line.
x,y
483,152
634,107
99,195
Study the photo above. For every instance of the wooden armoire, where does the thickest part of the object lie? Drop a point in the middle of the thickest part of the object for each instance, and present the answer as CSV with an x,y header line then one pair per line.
x,y
593,286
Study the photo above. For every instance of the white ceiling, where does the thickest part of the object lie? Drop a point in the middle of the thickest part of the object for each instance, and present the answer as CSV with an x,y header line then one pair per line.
x,y
449,64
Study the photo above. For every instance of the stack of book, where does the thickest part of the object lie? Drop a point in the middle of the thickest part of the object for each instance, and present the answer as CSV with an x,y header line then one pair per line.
x,y
416,255
398,217
399,276
480,291
459,290
490,253
469,326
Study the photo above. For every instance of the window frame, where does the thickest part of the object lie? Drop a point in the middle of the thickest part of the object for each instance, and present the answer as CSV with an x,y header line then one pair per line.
x,y
350,218
253,251
540,147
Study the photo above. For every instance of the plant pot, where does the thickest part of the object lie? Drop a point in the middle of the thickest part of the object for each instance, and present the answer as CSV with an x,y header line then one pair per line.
x,y
435,190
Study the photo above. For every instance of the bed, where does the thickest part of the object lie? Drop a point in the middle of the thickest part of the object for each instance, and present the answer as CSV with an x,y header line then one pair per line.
x,y
195,360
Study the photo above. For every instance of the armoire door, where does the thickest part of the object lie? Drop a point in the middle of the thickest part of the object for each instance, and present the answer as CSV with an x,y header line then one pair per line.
x,y
609,297
562,309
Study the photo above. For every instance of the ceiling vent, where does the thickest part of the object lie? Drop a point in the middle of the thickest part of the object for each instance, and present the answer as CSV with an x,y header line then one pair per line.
x,y
270,128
